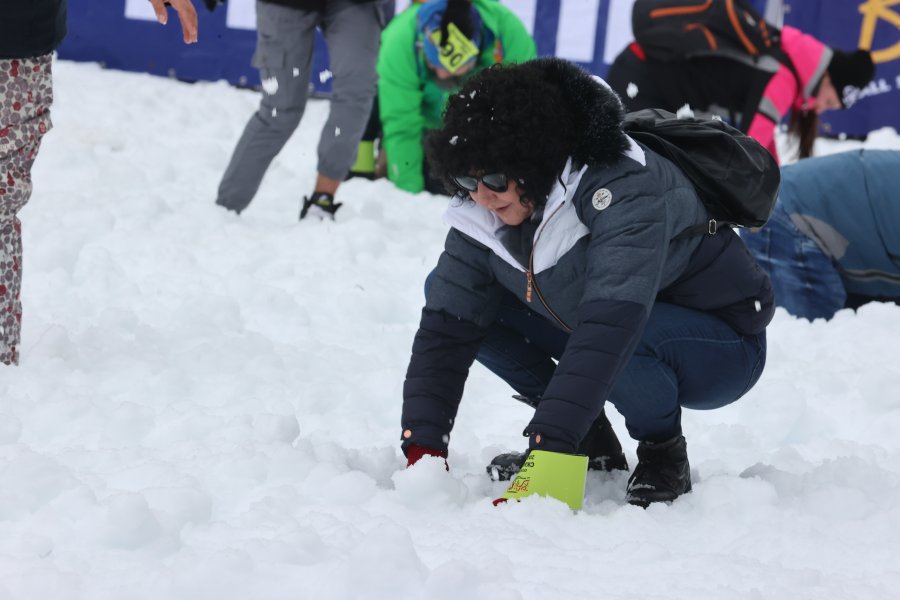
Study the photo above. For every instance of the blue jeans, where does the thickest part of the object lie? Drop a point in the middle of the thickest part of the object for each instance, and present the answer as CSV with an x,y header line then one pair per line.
x,y
804,278
686,358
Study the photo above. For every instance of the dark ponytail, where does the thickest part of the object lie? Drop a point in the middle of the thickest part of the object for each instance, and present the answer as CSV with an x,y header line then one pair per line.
x,y
804,127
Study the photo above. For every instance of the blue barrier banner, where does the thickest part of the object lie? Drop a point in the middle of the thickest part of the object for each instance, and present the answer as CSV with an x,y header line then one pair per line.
x,y
123,34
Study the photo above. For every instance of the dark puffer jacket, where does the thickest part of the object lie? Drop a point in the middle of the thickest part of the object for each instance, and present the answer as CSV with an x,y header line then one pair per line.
x,y
30,28
606,251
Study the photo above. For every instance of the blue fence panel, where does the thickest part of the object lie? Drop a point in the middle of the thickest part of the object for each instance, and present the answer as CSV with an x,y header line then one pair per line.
x,y
117,34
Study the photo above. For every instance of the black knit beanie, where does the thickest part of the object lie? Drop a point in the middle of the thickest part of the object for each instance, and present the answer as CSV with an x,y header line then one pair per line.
x,y
854,69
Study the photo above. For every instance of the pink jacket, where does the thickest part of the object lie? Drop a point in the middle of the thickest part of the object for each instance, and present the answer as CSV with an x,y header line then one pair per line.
x,y
810,58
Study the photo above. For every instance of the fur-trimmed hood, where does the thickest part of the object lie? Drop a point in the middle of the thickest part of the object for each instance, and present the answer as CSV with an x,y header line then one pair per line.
x,y
594,108
527,120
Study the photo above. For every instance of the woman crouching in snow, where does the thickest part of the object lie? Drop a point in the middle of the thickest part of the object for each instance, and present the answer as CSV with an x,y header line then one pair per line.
x,y
562,274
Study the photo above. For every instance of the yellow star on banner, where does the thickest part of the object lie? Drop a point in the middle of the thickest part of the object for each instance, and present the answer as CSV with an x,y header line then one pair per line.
x,y
872,12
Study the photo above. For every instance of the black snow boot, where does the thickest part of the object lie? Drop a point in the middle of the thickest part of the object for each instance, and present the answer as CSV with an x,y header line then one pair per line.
x,y
663,472
601,446
320,204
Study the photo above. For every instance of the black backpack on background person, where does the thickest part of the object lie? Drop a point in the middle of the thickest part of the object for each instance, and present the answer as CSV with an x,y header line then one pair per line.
x,y
735,176
718,31
670,30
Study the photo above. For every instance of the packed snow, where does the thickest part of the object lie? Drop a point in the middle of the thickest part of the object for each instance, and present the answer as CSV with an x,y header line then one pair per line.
x,y
208,405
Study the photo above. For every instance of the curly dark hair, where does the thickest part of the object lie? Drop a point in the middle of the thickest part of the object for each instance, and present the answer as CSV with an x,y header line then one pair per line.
x,y
525,121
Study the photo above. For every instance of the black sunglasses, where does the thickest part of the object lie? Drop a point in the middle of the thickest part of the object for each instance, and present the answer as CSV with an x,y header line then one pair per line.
x,y
497,182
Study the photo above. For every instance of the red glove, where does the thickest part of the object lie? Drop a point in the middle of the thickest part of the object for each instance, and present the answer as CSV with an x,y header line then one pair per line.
x,y
414,452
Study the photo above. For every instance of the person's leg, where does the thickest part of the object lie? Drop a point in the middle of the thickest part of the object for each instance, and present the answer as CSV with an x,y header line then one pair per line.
x,y
283,56
686,358
352,32
366,161
805,280
26,93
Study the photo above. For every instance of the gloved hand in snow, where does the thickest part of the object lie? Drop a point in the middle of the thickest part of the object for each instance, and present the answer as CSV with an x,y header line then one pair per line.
x,y
415,452
554,474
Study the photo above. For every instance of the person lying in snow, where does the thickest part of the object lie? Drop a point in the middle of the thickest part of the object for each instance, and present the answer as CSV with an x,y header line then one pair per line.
x,y
833,240
562,275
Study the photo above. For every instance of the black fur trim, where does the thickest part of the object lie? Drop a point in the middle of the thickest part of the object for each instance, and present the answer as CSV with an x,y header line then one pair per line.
x,y
595,109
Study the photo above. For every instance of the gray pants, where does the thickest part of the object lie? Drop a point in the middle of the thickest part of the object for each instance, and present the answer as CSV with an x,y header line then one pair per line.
x,y
284,52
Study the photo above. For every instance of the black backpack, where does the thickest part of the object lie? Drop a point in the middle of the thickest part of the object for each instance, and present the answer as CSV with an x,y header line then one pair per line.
x,y
671,30
734,175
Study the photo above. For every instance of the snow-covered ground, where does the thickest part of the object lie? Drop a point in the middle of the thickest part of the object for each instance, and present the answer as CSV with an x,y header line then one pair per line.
x,y
208,405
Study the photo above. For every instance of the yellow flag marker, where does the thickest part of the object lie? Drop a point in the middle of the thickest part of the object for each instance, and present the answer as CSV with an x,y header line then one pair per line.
x,y
458,49
554,474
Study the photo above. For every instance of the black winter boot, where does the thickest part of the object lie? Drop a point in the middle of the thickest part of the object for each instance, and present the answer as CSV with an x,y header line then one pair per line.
x,y
601,446
663,472
320,204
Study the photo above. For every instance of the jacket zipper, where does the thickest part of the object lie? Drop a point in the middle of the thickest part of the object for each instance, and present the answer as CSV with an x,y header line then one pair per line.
x,y
532,285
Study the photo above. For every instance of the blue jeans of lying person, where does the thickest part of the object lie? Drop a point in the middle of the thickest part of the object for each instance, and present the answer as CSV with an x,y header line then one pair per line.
x,y
805,280
686,358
